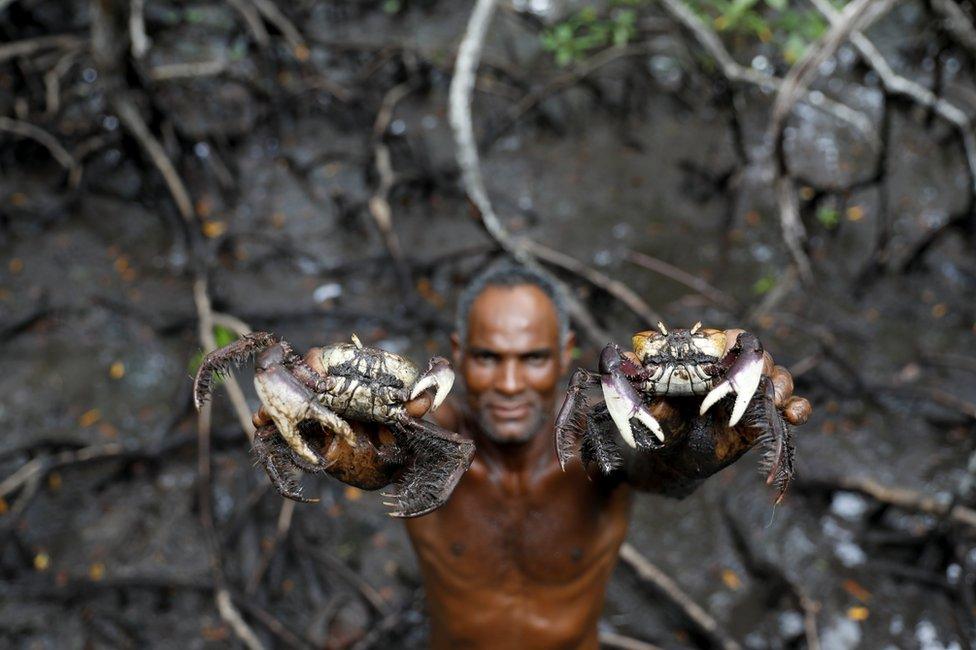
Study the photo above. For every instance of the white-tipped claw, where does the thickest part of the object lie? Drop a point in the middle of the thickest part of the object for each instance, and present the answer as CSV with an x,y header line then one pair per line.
x,y
716,394
620,411
439,375
745,381
650,422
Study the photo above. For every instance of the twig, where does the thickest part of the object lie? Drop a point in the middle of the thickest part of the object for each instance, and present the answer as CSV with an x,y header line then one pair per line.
x,y
273,15
130,118
252,20
340,568
46,140
275,626
201,298
139,42
466,153
733,71
565,80
701,619
29,46
172,71
772,576
895,496
52,83
615,288
899,85
957,23
794,86
379,203
680,276
614,640
225,605
281,531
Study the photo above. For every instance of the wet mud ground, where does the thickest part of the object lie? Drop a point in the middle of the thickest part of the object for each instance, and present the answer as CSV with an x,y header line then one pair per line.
x,y
646,155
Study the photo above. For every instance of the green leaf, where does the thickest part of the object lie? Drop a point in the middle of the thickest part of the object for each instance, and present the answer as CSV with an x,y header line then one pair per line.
x,y
778,5
764,284
829,217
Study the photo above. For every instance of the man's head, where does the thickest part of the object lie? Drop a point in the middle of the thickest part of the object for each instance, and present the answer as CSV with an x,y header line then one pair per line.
x,y
512,345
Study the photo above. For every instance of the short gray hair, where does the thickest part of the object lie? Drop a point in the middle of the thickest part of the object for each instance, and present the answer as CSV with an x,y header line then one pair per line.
x,y
508,273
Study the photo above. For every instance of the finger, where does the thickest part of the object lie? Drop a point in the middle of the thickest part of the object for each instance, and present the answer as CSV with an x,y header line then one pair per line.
x,y
260,418
768,365
797,410
782,385
420,405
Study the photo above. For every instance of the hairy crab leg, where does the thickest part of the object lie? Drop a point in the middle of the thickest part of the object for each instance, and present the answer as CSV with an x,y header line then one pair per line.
x,y
572,414
219,361
622,399
743,365
439,375
271,452
438,460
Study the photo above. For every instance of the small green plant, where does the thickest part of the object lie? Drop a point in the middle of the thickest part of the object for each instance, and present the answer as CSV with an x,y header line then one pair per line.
x,y
771,21
764,285
829,217
222,336
587,31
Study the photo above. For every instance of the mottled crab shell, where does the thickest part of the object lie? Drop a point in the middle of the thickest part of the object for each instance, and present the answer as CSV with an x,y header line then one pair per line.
x,y
679,362
652,342
362,370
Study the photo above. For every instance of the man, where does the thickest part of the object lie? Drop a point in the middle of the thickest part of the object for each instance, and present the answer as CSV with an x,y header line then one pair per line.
x,y
520,555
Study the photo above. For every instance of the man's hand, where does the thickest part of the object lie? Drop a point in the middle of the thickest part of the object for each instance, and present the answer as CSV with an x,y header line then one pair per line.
x,y
697,446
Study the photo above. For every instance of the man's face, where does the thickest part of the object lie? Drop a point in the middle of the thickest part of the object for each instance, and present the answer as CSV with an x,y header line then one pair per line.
x,y
512,361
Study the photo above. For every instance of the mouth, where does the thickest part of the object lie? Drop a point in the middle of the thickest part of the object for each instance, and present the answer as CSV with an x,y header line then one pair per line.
x,y
502,411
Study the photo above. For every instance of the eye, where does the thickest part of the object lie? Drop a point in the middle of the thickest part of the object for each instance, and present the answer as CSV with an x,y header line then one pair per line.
x,y
536,358
484,357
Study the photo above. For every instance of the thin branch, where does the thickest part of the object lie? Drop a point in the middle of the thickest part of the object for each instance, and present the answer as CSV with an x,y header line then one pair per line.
x,y
29,46
173,71
379,203
46,140
274,15
615,288
794,86
736,72
285,515
201,299
466,153
139,42
898,85
957,23
680,276
130,118
701,619
897,496
252,20
614,640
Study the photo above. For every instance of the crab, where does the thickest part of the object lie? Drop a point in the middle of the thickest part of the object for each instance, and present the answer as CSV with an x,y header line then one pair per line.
x,y
696,362
336,387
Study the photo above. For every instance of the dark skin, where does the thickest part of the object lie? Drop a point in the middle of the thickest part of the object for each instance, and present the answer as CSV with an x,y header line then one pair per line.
x,y
521,553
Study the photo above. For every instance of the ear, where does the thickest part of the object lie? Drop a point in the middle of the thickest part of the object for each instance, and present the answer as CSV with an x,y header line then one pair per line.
x,y
566,354
456,351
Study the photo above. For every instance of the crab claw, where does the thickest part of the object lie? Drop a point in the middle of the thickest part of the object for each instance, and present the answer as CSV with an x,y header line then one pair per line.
x,y
623,401
744,362
440,375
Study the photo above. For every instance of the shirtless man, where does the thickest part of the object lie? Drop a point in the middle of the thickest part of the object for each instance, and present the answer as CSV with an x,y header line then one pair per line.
x,y
520,555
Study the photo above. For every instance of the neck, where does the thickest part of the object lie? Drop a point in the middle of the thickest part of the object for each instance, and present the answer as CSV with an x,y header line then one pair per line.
x,y
518,457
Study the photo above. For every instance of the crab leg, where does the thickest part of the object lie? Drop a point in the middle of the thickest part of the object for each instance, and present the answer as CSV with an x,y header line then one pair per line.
x,y
439,375
744,366
571,419
219,362
623,400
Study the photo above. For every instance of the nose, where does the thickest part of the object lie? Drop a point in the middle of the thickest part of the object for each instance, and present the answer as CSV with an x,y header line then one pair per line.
x,y
508,378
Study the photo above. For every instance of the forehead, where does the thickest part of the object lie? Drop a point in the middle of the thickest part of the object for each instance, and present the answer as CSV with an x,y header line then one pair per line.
x,y
513,319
